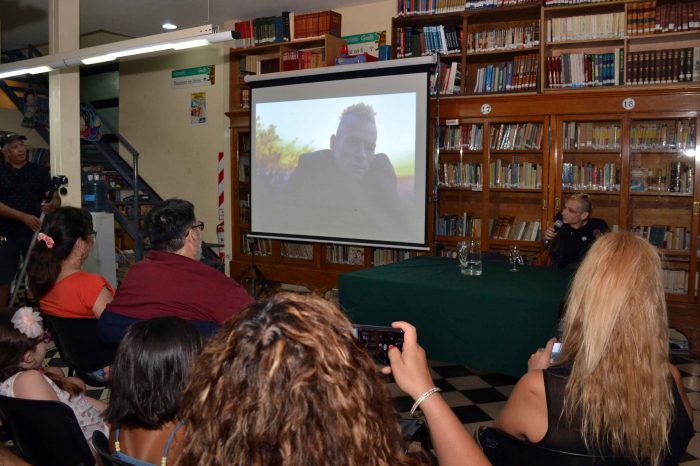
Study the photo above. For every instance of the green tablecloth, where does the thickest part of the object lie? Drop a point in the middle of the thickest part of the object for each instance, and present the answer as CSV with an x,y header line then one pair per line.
x,y
492,322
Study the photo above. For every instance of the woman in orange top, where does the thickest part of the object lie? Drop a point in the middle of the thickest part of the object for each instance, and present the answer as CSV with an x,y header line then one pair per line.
x,y
55,269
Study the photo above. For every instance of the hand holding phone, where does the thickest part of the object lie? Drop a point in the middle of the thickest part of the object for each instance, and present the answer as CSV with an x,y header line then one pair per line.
x,y
377,340
556,349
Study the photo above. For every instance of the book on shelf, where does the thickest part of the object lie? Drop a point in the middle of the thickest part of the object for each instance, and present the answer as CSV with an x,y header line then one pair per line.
x,y
676,281
586,27
446,79
465,224
506,227
590,177
663,135
516,175
389,256
592,136
461,175
574,70
294,250
652,17
663,66
514,76
516,136
425,40
477,4
317,24
512,38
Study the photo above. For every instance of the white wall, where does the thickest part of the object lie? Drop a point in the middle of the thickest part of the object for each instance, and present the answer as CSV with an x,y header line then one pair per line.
x,y
177,159
371,17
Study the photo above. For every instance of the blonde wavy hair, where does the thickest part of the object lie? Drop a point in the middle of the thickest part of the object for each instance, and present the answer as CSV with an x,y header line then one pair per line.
x,y
285,383
616,338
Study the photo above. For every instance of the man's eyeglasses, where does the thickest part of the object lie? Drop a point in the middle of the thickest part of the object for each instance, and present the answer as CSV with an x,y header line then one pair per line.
x,y
199,225
94,234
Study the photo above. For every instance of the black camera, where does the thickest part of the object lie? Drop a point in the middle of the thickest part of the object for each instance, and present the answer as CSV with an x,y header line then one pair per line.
x,y
59,180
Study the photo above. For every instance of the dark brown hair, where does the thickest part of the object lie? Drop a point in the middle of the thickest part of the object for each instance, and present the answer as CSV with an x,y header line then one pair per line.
x,y
285,383
64,225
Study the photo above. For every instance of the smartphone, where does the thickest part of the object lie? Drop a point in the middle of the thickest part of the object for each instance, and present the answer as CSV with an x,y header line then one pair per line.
x,y
377,340
556,349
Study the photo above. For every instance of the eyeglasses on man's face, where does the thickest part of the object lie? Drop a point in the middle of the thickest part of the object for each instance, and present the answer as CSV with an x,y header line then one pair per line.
x,y
199,225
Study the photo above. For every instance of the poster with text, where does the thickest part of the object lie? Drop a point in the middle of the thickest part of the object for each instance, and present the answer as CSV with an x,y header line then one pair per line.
x,y
198,108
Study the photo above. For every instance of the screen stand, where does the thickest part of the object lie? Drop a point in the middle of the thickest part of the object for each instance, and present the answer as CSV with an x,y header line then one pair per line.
x,y
258,283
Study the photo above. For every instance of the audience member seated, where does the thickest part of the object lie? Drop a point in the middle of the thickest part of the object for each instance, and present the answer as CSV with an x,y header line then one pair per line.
x,y
55,270
612,389
285,383
22,351
148,375
56,275
171,281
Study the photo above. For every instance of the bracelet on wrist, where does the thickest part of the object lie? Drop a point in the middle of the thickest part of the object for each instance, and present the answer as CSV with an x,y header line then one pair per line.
x,y
422,398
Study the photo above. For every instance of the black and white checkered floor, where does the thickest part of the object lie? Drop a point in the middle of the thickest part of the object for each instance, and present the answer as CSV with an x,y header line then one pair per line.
x,y
477,397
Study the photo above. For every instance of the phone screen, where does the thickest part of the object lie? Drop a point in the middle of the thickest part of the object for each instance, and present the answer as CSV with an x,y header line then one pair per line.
x,y
377,340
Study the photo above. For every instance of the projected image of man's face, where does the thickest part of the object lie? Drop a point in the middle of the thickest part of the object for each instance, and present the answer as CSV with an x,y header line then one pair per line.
x,y
354,144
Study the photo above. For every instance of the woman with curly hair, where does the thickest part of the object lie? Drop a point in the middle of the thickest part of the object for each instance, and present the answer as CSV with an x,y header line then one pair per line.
x,y
285,383
612,390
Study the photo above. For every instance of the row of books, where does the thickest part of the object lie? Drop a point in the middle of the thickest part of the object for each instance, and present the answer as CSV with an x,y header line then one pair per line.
x,y
513,38
389,256
475,4
590,177
652,17
515,175
665,236
244,98
575,70
461,175
663,66
263,30
446,80
464,224
506,227
433,7
663,135
244,211
676,281
514,76
288,26
343,254
293,250
414,42
263,246
516,136
674,177
260,64
591,136
602,26
572,2
303,59
458,137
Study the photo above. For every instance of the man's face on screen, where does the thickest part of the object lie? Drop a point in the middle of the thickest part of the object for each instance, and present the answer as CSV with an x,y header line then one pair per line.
x,y
354,145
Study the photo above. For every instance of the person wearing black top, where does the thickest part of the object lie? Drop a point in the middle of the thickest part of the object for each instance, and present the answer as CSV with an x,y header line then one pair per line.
x,y
570,243
24,187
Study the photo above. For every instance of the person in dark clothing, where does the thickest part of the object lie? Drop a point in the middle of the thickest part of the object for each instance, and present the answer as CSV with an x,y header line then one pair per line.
x,y
577,234
612,390
26,191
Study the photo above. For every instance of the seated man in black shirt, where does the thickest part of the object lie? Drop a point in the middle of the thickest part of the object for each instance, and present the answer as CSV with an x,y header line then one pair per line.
x,y
577,233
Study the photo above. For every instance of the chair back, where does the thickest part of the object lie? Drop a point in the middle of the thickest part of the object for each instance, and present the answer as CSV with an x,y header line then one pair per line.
x,y
503,450
101,445
46,433
80,348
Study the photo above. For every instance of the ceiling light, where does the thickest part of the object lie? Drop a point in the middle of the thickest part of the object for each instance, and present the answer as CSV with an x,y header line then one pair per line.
x,y
173,40
169,26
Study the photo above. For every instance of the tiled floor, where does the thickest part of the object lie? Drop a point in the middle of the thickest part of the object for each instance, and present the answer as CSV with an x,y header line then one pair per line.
x,y
477,397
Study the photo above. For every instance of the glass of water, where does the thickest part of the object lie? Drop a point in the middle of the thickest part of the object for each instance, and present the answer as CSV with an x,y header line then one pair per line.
x,y
469,254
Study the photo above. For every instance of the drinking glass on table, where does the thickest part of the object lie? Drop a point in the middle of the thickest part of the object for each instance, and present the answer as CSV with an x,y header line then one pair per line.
x,y
515,258
469,254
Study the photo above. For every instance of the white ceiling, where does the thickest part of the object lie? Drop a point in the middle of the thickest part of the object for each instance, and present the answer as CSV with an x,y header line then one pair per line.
x,y
25,22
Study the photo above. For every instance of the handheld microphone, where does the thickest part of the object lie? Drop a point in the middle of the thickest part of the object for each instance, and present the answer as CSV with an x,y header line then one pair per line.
x,y
557,225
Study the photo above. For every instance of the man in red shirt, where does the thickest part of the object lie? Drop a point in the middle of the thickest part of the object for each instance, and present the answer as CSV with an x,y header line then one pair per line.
x,y
171,281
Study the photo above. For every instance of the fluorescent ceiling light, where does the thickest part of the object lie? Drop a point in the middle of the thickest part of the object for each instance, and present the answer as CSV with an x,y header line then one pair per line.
x,y
174,40
169,26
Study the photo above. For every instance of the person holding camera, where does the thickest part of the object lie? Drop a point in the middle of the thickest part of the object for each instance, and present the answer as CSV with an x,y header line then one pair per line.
x,y
26,190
